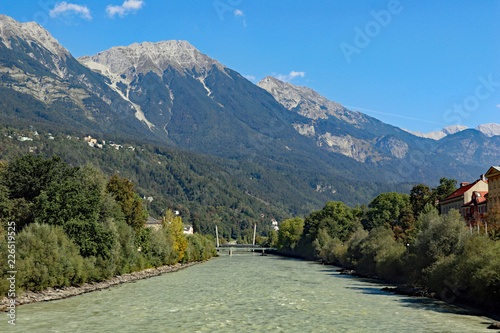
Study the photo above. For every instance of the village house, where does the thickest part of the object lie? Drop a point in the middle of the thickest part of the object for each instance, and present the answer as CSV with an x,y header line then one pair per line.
x,y
493,176
93,142
153,223
24,138
463,195
274,225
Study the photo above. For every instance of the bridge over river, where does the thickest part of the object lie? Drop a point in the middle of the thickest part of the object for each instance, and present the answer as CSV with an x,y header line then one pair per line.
x,y
243,247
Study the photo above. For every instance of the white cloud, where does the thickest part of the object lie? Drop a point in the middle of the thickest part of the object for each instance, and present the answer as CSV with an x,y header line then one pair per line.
x,y
238,12
65,8
128,6
250,77
291,76
498,106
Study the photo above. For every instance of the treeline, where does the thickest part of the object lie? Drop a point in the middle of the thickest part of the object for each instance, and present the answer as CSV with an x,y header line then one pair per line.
x,y
71,225
402,238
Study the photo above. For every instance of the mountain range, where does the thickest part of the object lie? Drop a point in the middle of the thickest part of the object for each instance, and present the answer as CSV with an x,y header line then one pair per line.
x,y
487,129
169,93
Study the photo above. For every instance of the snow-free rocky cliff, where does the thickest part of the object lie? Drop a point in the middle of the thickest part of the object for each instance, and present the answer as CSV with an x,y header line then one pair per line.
x,y
126,66
170,93
30,32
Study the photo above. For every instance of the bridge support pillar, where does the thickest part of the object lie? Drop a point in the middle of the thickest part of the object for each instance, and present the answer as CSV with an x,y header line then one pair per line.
x,y
230,252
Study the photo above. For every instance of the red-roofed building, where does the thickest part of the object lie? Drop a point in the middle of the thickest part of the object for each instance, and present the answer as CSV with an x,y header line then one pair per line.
x,y
463,195
474,210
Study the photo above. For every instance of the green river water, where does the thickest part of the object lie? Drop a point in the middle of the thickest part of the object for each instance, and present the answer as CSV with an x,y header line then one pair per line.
x,y
246,293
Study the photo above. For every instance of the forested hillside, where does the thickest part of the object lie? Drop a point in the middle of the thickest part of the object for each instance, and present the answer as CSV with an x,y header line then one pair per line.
x,y
206,190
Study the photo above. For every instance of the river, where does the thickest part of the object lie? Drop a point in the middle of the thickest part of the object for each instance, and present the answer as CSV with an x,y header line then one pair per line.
x,y
246,293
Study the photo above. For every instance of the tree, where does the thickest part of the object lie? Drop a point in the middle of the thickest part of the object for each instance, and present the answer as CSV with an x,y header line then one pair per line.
x,y
27,176
445,188
24,179
272,238
123,191
290,232
74,202
174,226
386,208
420,195
493,220
77,196
439,236
336,218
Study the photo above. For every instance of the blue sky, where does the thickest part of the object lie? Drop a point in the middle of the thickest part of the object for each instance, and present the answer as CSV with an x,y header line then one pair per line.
x,y
419,65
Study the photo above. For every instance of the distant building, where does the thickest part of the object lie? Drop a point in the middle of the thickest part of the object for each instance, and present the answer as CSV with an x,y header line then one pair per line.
x,y
474,210
188,230
493,176
153,223
274,225
463,195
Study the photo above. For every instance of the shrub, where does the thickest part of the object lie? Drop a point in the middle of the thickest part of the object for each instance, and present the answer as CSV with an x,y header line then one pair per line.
x,y
440,236
48,258
161,248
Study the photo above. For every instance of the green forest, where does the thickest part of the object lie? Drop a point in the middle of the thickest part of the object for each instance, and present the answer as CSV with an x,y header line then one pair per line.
x,y
67,225
404,239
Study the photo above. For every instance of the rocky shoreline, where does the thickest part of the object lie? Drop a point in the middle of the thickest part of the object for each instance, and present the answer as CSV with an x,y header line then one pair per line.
x,y
52,294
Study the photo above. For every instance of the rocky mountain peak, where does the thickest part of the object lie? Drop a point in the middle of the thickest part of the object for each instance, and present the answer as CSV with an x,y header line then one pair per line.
x,y
31,32
490,130
453,129
148,57
308,102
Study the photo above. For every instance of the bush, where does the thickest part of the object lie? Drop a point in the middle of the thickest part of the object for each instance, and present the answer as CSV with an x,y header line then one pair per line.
x,y
48,258
355,247
440,236
161,248
381,254
199,248
478,269
330,250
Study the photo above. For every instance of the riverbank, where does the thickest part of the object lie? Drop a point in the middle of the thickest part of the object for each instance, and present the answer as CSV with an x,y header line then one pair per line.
x,y
52,294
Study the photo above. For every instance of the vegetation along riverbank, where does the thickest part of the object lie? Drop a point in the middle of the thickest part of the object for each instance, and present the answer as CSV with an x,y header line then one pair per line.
x,y
64,226
404,239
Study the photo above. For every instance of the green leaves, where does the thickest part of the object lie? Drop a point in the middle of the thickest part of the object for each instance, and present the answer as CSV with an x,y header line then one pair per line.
x,y
123,191
290,233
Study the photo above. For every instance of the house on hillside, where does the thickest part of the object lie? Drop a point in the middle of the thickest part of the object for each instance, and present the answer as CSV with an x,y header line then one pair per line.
x,y
493,176
153,223
474,210
188,230
274,225
463,195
